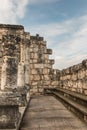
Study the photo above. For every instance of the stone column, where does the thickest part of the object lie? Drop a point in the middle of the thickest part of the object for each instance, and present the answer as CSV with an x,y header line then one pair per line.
x,y
23,72
9,72
22,52
9,100
21,65
3,74
27,70
27,59
21,75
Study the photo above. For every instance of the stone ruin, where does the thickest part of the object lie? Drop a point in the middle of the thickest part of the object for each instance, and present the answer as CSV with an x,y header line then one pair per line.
x,y
25,70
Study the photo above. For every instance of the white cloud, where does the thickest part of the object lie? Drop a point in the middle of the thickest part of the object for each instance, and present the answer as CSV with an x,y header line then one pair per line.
x,y
42,1
72,48
12,10
64,62
54,28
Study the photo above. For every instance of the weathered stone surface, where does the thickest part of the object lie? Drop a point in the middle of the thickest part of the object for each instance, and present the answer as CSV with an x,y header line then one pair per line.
x,y
85,91
36,77
49,51
39,66
74,78
33,71
54,83
8,117
14,73
45,83
21,78
46,71
51,62
9,110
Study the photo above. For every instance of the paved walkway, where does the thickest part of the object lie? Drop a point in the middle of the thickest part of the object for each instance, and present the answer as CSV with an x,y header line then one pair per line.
x,y
47,113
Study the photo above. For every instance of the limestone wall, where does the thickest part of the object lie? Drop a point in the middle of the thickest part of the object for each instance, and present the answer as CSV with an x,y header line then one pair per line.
x,y
33,65
42,74
74,78
14,44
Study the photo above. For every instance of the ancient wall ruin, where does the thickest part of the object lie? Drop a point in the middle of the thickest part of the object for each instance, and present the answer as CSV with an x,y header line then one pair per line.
x,y
32,66
26,69
13,91
42,74
41,67
13,43
29,57
74,78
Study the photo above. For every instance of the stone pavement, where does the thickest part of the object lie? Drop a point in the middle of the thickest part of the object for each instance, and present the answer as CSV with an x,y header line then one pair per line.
x,y
47,113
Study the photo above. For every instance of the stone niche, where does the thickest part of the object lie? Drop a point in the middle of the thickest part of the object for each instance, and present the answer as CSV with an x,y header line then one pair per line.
x,y
11,29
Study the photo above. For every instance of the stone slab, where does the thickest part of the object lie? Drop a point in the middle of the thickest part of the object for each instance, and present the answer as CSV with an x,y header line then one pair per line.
x,y
47,113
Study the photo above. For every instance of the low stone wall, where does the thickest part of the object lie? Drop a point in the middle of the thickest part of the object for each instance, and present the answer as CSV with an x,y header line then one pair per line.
x,y
74,78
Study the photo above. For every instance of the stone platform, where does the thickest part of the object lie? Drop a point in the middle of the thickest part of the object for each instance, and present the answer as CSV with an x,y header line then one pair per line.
x,y
47,113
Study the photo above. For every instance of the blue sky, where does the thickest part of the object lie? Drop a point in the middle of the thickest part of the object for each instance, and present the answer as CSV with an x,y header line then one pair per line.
x,y
62,23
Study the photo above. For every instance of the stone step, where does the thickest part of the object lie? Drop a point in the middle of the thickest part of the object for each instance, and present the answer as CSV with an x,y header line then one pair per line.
x,y
73,105
47,113
74,94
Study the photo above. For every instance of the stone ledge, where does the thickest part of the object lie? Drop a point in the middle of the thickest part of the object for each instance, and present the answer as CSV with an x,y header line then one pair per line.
x,y
22,110
9,99
11,26
51,61
48,51
36,38
7,129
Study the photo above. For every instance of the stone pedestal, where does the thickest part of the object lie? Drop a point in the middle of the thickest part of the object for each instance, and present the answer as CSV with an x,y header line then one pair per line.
x,y
9,111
